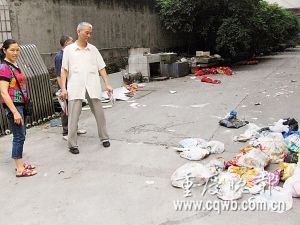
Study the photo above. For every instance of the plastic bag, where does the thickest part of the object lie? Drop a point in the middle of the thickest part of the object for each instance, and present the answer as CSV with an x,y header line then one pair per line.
x,y
197,172
228,186
276,195
292,123
279,127
234,161
286,170
274,146
216,147
191,142
249,175
238,170
216,165
248,134
254,158
292,184
268,178
292,157
293,143
195,153
197,148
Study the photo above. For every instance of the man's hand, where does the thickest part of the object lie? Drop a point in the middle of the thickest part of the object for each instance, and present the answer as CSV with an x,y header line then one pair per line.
x,y
109,90
63,94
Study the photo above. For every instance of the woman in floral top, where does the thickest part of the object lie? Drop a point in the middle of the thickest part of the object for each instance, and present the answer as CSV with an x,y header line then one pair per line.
x,y
14,96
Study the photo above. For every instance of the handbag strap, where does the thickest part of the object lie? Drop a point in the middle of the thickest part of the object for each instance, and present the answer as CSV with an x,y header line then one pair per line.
x,y
17,82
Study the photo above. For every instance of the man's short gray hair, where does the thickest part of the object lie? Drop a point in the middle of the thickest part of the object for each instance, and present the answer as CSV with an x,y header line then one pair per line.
x,y
84,24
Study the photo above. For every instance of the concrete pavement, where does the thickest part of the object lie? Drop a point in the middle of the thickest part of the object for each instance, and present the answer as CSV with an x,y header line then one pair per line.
x,y
129,183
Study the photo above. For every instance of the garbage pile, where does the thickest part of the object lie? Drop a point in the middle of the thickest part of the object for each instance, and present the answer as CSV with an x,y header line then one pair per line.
x,y
246,171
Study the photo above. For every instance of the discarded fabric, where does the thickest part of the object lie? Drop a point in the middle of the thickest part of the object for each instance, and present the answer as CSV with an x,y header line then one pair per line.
x,y
231,121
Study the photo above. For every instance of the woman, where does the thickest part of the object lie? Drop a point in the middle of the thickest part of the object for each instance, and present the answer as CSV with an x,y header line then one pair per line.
x,y
14,95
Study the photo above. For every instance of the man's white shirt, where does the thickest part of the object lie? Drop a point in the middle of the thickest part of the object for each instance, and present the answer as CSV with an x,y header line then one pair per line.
x,y
83,66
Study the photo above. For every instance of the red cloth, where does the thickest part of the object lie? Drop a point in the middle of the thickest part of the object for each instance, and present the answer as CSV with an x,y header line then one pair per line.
x,y
209,80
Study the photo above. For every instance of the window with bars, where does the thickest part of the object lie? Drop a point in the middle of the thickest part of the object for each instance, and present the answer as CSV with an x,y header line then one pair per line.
x,y
5,28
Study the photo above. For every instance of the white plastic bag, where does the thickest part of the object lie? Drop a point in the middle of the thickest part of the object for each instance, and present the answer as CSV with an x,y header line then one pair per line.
x,y
274,146
279,127
292,184
197,172
276,200
192,142
248,134
216,147
229,186
195,153
254,158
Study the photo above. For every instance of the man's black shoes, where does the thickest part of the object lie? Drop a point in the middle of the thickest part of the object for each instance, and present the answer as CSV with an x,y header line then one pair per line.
x,y
106,144
74,150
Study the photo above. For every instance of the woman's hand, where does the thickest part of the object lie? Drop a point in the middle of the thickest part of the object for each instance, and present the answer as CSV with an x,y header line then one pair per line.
x,y
18,118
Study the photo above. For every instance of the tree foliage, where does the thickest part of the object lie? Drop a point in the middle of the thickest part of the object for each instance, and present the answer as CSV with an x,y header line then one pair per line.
x,y
231,27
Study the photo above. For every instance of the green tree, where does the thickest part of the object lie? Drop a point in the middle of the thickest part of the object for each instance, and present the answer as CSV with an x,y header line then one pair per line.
x,y
231,27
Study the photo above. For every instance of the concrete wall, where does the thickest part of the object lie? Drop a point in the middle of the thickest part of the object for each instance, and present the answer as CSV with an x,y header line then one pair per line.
x,y
118,24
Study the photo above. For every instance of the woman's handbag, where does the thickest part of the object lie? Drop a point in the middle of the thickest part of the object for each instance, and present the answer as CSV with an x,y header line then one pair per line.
x,y
28,107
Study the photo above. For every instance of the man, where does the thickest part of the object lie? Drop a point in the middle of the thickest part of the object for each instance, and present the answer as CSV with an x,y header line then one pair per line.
x,y
82,64
64,41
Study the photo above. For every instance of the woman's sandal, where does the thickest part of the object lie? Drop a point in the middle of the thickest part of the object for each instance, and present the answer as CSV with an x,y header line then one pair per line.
x,y
28,166
27,173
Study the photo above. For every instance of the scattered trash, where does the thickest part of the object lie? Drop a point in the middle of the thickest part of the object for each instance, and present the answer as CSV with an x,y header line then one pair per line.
x,y
55,122
207,79
61,171
274,195
134,105
118,94
293,81
170,130
195,153
279,143
286,170
170,106
106,106
214,70
227,186
254,158
150,182
292,123
197,148
274,145
258,103
198,173
173,92
105,100
231,121
293,143
292,184
292,157
199,106
248,134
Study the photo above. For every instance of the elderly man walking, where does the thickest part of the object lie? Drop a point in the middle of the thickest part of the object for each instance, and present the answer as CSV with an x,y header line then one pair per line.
x,y
81,66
